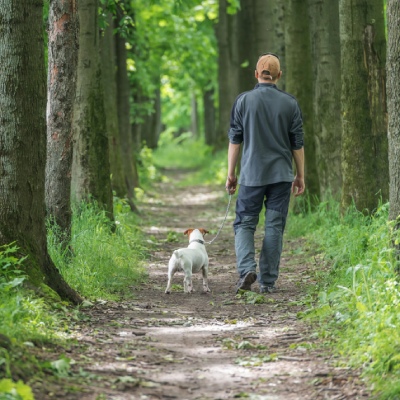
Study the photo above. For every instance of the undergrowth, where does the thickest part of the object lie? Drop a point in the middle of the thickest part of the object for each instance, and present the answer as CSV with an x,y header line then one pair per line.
x,y
358,292
101,261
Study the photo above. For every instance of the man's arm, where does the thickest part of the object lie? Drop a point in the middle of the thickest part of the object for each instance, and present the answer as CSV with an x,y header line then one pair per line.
x,y
233,156
298,156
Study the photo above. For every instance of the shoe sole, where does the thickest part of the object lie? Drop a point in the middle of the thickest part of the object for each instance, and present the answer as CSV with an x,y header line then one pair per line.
x,y
248,280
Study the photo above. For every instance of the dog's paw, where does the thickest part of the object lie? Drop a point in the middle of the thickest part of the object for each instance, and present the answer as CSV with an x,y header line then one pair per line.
x,y
206,289
167,292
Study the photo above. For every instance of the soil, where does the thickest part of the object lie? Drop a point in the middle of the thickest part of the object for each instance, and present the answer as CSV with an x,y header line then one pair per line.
x,y
202,345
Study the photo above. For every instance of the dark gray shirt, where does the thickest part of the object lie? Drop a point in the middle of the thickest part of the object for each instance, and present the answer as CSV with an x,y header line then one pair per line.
x,y
269,123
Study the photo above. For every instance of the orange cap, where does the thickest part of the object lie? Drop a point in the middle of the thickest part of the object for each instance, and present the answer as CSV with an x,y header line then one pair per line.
x,y
268,67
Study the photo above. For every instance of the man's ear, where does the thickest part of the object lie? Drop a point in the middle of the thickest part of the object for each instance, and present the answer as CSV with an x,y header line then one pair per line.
x,y
256,74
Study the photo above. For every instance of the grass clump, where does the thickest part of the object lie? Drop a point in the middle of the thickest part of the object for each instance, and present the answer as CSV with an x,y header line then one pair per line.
x,y
102,260
358,294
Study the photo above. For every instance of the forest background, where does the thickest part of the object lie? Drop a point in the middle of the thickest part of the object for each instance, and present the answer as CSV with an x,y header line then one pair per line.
x,y
102,94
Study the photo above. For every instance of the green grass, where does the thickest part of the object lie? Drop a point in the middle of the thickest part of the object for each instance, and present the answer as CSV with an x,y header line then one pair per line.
x,y
100,263
358,294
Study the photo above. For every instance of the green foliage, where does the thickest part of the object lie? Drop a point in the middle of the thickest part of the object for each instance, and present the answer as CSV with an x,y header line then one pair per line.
x,y
10,390
358,295
20,310
249,297
101,261
173,45
182,152
147,170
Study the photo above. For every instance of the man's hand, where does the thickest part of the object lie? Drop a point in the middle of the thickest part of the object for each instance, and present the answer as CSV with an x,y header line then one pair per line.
x,y
298,186
230,185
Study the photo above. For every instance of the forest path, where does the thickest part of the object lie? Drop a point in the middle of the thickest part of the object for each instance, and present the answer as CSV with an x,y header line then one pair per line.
x,y
205,346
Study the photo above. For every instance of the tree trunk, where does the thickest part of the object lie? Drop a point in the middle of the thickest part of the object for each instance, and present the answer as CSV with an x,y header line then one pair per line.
x,y
325,45
276,33
393,97
194,118
125,130
255,37
209,116
364,148
23,140
149,130
91,166
61,81
108,64
228,70
299,81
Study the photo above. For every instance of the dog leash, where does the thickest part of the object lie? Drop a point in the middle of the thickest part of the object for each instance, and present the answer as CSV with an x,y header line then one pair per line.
x,y
223,222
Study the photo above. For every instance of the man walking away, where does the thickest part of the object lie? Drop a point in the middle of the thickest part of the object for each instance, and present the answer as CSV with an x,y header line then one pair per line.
x,y
267,122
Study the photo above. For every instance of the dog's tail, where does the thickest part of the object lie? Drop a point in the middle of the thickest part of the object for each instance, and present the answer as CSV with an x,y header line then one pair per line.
x,y
177,254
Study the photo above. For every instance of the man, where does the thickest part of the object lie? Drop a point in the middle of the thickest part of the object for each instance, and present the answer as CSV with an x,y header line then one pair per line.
x,y
268,123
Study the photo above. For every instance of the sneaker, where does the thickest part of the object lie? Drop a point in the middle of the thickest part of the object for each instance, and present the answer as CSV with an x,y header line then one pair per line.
x,y
246,281
268,289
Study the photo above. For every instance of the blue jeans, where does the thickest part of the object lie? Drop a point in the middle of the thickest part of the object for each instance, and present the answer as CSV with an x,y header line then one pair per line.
x,y
249,204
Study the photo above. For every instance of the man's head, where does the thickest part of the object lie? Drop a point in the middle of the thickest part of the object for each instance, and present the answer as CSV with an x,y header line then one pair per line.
x,y
268,68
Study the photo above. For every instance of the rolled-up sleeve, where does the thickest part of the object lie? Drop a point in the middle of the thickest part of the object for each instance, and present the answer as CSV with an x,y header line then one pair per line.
x,y
235,132
296,133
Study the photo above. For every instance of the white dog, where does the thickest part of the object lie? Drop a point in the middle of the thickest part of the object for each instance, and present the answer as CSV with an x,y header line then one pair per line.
x,y
190,259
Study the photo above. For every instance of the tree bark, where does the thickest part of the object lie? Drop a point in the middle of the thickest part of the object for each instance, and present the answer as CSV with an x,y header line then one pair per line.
x,y
90,166
125,130
61,81
108,65
255,37
364,147
276,33
23,140
299,81
325,45
150,129
209,116
228,70
393,101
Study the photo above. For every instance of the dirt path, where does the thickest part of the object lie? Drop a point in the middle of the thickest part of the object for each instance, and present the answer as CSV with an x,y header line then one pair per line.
x,y
203,346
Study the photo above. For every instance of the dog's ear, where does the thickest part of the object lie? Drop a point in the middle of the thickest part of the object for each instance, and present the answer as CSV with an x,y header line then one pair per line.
x,y
203,231
188,231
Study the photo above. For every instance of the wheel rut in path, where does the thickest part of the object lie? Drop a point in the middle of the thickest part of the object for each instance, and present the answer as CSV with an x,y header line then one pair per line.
x,y
207,346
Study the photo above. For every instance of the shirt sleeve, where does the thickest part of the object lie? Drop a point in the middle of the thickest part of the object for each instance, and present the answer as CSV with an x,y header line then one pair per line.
x,y
235,132
296,133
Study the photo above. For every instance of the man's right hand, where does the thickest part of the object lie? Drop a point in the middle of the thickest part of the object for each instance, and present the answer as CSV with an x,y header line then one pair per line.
x,y
230,185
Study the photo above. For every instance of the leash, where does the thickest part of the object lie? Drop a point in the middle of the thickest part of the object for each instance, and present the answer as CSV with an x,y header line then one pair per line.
x,y
223,222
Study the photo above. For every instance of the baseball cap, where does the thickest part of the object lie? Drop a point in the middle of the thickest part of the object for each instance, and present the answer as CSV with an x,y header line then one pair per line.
x,y
268,66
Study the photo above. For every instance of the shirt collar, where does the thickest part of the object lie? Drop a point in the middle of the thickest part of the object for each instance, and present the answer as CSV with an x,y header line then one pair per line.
x,y
265,85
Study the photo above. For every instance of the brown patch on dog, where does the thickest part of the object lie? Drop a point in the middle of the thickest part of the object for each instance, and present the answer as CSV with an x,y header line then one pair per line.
x,y
190,230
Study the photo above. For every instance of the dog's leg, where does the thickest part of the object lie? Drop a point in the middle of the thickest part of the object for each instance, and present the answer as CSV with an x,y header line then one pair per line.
x,y
205,278
171,271
187,283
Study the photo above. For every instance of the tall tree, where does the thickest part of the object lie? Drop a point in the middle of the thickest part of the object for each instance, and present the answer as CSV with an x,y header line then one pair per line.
x,y
393,97
91,166
299,80
124,122
61,81
276,32
363,100
228,69
325,47
23,140
253,38
108,73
